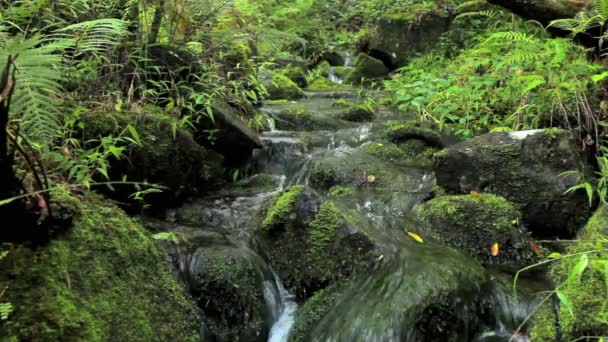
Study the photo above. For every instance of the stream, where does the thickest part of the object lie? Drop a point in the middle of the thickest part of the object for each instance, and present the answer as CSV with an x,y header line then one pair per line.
x,y
395,289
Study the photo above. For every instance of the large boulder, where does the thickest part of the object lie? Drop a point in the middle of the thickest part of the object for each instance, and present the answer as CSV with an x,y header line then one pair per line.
x,y
405,32
227,283
474,224
428,293
367,68
526,168
168,155
586,292
102,280
310,242
283,88
231,135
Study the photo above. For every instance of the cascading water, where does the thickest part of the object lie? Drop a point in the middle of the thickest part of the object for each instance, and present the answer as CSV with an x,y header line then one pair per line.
x,y
382,304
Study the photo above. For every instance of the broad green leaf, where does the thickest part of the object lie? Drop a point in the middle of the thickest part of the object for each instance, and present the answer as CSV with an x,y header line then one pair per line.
x,y
554,256
165,236
577,271
565,302
599,77
134,134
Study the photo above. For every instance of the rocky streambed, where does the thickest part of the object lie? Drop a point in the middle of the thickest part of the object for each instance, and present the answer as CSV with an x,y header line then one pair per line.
x,y
358,223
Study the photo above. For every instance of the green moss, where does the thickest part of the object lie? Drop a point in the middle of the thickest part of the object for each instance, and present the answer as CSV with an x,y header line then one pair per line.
x,y
343,103
474,223
284,88
403,132
368,68
358,113
237,55
501,129
553,132
385,151
322,83
588,296
409,12
341,71
322,230
340,191
296,74
103,280
281,208
313,311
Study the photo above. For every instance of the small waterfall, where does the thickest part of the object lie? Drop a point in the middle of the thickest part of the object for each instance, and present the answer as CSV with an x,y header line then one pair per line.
x,y
333,77
283,308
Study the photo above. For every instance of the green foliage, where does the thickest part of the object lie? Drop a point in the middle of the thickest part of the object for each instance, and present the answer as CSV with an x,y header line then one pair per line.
x,y
517,79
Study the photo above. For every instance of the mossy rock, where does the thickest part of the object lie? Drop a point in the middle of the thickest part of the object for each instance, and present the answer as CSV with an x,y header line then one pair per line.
x,y
282,208
406,31
527,168
400,133
284,88
360,169
313,311
386,151
237,55
227,284
368,68
167,156
358,113
296,74
311,245
323,84
102,280
474,223
587,296
340,191
323,69
420,295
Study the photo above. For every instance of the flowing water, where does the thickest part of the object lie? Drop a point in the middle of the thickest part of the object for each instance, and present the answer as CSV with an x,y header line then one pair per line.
x,y
383,304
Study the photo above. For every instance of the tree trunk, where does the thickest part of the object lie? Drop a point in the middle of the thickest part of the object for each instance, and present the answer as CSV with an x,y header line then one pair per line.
x,y
156,23
543,11
8,185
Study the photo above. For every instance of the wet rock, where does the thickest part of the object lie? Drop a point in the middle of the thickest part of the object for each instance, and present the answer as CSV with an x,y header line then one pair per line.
x,y
296,74
309,242
231,136
333,58
360,169
587,293
474,224
527,169
428,293
367,68
405,32
227,283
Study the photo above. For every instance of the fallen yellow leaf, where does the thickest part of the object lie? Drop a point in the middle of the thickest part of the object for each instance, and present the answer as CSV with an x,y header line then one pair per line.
x,y
415,237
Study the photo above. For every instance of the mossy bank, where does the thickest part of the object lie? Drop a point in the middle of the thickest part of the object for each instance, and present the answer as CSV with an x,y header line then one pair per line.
x,y
102,280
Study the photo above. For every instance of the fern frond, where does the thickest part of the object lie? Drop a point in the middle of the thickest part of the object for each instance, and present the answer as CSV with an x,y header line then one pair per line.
x,y
511,36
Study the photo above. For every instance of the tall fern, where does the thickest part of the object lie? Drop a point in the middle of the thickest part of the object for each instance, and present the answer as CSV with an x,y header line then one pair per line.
x,y
40,63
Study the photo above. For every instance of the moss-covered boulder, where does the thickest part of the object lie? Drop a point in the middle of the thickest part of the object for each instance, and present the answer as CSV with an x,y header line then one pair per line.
x,y
587,292
282,87
102,280
310,242
333,57
323,84
368,68
227,283
358,113
406,31
400,133
236,55
232,137
423,295
474,223
526,168
168,155
296,74
367,167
